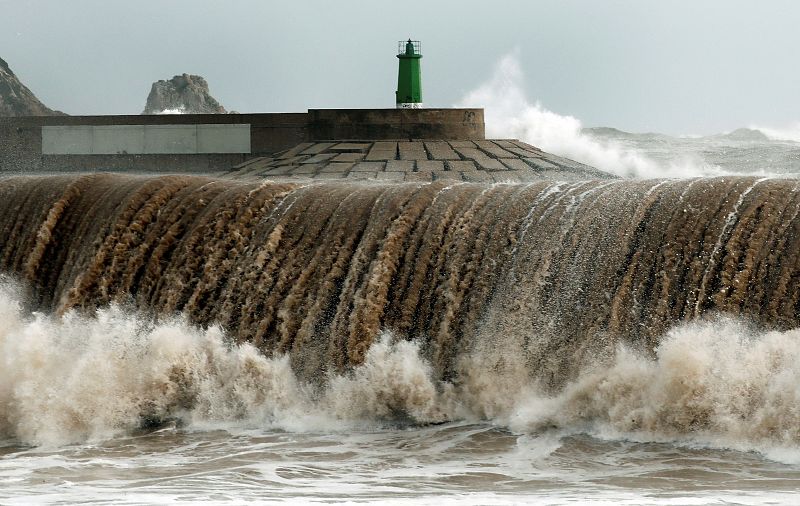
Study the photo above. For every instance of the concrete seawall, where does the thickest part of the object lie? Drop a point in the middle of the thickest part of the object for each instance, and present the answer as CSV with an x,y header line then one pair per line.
x,y
21,145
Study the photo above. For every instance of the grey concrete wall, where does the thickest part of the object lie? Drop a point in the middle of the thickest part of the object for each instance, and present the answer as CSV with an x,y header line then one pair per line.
x,y
21,139
144,139
21,142
396,124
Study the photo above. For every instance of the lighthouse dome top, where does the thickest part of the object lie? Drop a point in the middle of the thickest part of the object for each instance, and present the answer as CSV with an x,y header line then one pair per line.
x,y
409,48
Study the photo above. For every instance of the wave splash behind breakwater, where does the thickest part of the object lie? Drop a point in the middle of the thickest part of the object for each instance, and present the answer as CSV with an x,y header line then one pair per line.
x,y
437,300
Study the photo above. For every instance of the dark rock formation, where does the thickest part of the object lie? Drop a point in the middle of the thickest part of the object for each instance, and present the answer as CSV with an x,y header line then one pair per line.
x,y
184,93
16,99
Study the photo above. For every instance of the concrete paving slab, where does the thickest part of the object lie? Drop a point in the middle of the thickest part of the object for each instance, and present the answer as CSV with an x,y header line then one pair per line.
x,y
362,175
296,150
525,153
441,151
320,158
255,167
252,170
516,164
424,177
494,150
336,167
429,165
461,165
540,164
391,176
526,146
350,147
295,160
559,161
381,155
348,157
251,161
504,143
317,147
305,170
477,176
412,151
279,171
481,159
461,144
446,175
400,166
369,167
504,160
384,145
383,150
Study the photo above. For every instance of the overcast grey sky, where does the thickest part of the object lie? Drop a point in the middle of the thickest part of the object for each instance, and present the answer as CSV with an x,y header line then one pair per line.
x,y
687,66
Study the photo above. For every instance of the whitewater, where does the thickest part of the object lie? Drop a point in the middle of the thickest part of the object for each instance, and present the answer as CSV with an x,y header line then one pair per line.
x,y
118,408
749,150
628,341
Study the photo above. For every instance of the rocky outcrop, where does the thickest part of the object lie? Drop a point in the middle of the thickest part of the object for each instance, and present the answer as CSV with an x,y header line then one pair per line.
x,y
185,93
16,99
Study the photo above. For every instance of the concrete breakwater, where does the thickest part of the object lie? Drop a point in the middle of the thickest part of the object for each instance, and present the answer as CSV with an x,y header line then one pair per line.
x,y
475,161
207,143
560,270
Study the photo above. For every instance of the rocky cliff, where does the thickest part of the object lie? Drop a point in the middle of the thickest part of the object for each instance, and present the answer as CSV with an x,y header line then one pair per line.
x,y
16,99
182,94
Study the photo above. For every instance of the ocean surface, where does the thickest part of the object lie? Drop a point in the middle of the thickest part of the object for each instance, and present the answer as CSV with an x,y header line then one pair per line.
x,y
79,436
122,407
748,151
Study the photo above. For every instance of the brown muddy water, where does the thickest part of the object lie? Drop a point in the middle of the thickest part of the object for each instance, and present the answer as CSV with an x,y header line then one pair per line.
x,y
185,339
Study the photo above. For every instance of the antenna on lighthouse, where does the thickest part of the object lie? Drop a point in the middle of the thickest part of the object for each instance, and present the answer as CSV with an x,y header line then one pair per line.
x,y
409,76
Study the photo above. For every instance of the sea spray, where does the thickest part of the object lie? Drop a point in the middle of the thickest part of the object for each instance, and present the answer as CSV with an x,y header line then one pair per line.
x,y
719,382
73,379
509,114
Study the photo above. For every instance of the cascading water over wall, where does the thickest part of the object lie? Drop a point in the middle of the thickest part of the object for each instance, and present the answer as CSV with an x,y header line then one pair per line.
x,y
560,272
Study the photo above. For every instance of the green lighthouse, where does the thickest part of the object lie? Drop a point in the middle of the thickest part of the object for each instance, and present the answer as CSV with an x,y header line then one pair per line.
x,y
409,77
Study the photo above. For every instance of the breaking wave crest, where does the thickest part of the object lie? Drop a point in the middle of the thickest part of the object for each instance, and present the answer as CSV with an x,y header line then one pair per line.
x,y
77,378
718,383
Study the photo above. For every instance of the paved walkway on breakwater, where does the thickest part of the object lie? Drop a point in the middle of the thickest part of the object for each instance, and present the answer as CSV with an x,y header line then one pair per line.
x,y
479,161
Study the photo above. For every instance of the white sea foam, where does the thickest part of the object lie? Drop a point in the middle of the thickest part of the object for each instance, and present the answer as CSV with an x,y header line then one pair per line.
x,y
176,110
509,114
715,383
75,379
